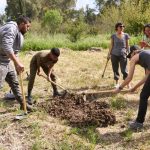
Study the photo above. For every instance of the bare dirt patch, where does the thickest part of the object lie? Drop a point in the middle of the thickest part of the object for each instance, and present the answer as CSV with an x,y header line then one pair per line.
x,y
79,112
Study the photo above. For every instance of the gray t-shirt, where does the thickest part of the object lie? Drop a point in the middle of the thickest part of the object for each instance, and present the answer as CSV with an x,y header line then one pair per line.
x,y
11,41
144,59
119,45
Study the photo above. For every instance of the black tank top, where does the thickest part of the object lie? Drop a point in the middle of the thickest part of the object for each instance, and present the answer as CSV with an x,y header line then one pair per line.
x,y
144,59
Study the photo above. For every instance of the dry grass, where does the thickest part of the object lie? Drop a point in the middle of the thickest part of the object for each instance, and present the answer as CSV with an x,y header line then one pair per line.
x,y
75,71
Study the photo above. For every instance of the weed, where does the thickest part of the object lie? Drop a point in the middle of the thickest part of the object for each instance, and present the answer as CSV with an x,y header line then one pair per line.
x,y
75,145
35,129
37,145
129,115
118,102
127,134
88,133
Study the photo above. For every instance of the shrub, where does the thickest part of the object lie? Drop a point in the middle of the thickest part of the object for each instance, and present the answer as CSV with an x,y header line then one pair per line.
x,y
77,30
52,20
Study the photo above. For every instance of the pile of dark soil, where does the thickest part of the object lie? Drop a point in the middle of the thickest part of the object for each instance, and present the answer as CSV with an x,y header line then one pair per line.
x,y
79,112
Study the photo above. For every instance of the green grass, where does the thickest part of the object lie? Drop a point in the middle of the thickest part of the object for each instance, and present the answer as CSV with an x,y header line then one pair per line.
x,y
127,134
88,133
118,103
44,41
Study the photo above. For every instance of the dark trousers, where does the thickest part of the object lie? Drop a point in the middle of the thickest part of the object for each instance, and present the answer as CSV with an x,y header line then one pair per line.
x,y
143,101
116,60
33,72
8,74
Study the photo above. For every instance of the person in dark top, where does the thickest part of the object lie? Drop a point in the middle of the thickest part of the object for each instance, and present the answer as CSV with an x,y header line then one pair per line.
x,y
46,61
142,58
118,52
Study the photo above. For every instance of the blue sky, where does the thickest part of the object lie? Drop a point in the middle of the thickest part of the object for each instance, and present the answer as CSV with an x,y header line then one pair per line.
x,y
80,4
2,6
83,3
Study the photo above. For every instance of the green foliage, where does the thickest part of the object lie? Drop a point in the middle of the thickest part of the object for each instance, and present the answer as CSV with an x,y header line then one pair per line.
x,y
133,23
77,30
36,42
93,30
52,20
36,8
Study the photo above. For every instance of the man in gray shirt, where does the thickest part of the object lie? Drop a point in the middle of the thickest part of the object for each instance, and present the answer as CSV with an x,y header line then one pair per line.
x,y
11,41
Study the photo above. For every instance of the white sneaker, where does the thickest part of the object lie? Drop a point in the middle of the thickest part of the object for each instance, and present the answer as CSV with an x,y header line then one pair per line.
x,y
9,95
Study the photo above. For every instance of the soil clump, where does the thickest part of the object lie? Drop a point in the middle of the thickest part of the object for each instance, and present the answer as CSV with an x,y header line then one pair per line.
x,y
79,111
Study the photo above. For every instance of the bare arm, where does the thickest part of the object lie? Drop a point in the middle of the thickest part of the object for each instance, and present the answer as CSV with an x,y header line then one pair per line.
x,y
110,49
130,75
50,71
133,62
142,81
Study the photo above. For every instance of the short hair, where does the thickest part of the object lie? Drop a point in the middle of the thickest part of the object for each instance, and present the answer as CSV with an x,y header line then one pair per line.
x,y
23,19
132,49
55,51
118,24
145,26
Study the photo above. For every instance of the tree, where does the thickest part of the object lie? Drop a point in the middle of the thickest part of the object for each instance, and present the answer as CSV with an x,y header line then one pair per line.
x,y
37,8
102,4
90,16
52,20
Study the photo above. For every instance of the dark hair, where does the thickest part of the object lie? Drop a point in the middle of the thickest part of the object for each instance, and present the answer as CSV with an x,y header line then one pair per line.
x,y
55,51
132,49
23,19
147,25
118,24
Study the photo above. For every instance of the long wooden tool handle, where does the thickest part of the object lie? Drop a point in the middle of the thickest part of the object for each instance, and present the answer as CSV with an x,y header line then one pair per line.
x,y
53,82
105,68
23,95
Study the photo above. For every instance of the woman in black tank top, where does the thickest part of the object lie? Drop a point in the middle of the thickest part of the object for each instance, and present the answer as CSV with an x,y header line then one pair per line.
x,y
142,58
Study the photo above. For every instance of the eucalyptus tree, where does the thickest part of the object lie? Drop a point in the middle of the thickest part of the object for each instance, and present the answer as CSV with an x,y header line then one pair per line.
x,y
37,8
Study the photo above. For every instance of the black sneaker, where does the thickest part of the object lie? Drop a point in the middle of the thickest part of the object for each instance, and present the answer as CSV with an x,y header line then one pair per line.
x,y
135,125
29,100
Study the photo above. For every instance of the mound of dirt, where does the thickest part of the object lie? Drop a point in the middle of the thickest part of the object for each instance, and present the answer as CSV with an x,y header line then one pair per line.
x,y
79,112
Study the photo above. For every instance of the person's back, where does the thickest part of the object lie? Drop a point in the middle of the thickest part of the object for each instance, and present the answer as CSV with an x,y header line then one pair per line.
x,y
42,59
144,59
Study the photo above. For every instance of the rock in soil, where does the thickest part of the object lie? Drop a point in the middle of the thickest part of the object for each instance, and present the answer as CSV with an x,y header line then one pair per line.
x,y
79,112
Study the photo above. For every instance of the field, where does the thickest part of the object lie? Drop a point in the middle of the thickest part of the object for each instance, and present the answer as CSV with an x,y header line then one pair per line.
x,y
77,71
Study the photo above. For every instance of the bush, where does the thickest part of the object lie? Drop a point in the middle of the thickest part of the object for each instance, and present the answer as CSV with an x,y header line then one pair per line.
x,y
77,30
134,23
52,20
